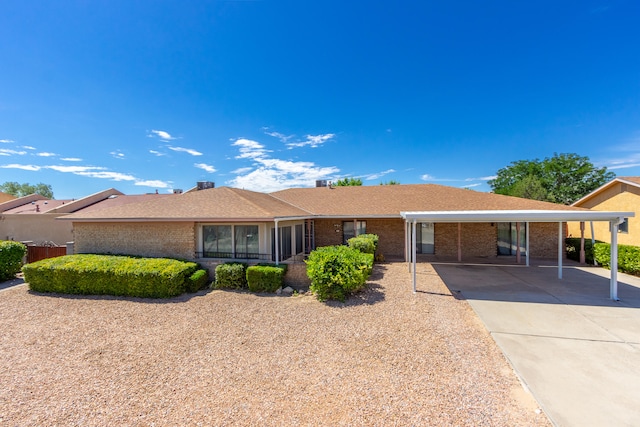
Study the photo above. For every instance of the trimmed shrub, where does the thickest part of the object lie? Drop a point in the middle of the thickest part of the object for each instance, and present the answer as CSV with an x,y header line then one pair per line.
x,y
231,275
265,278
197,280
112,275
628,257
337,271
11,255
365,243
573,249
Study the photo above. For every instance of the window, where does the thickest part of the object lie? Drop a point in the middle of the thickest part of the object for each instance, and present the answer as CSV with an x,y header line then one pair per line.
x,y
230,241
284,243
217,241
246,241
352,229
299,238
425,238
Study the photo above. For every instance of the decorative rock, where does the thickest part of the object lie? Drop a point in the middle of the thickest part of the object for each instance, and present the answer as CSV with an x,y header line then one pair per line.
x,y
288,290
279,291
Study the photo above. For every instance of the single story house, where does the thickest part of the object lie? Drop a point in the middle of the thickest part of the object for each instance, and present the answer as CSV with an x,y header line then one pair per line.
x,y
619,194
4,197
215,225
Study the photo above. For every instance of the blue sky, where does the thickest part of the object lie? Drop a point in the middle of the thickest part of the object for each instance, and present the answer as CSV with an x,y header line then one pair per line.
x,y
265,95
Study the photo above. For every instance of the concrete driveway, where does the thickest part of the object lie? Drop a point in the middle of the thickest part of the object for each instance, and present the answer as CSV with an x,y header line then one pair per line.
x,y
577,351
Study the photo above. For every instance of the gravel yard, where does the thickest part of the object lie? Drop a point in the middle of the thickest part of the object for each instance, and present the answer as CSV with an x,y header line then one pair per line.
x,y
386,357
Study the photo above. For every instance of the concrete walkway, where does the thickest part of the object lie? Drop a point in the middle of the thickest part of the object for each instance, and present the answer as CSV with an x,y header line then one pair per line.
x,y
577,351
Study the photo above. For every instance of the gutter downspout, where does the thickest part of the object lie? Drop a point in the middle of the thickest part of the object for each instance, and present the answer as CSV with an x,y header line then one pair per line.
x,y
414,252
560,251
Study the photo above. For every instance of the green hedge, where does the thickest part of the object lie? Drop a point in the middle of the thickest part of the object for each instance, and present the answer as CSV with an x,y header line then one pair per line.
x,y
628,257
337,271
114,275
265,278
231,275
365,243
573,249
11,255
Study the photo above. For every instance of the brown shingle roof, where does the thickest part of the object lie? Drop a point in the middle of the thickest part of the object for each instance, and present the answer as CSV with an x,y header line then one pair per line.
x,y
390,200
211,204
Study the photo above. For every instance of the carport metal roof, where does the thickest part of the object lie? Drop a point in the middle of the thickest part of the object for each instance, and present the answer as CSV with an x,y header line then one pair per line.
x,y
526,216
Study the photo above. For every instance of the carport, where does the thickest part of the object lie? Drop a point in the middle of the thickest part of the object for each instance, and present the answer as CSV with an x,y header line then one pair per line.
x,y
518,216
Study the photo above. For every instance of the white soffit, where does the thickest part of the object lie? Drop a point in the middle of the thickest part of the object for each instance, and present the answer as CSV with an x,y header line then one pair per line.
x,y
514,216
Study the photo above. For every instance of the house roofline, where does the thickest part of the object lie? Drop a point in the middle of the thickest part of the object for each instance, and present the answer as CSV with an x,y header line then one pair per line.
x,y
602,188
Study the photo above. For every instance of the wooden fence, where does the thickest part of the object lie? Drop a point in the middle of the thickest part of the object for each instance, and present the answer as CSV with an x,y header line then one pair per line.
x,y
36,253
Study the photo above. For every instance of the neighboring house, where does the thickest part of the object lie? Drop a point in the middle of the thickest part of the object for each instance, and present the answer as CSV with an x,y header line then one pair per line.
x,y
620,194
4,197
219,224
33,218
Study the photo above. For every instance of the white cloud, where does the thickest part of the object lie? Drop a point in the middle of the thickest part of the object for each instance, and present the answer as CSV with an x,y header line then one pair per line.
x,y
250,149
115,176
378,175
165,136
312,140
427,177
153,183
23,167
472,185
7,152
281,137
157,153
45,154
71,159
205,167
270,174
117,154
240,171
185,150
27,147
6,141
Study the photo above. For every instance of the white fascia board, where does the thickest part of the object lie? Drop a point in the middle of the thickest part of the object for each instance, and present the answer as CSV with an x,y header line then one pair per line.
x,y
515,216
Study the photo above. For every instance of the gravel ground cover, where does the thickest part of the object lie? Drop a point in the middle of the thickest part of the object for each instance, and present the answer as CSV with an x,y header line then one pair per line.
x,y
386,357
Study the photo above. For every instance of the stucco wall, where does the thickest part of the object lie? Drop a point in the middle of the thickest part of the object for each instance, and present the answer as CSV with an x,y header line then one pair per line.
x,y
37,228
153,239
613,200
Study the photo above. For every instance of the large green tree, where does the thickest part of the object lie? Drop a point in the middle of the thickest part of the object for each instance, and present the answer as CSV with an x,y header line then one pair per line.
x,y
20,190
345,182
563,178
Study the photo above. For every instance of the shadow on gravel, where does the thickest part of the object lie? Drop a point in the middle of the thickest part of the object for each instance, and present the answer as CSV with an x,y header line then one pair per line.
x,y
11,283
174,300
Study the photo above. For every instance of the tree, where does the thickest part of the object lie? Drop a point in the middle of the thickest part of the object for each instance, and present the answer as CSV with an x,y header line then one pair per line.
x,y
20,190
563,178
345,182
391,182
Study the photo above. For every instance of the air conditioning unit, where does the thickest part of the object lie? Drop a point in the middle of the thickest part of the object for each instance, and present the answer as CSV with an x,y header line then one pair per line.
x,y
203,185
177,191
321,183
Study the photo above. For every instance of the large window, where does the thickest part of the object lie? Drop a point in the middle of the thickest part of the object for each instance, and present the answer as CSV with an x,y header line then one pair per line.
x,y
425,238
229,241
217,241
508,238
246,242
352,229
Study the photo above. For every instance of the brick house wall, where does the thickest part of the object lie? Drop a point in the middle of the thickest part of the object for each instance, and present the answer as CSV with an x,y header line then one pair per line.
x,y
152,239
543,239
477,239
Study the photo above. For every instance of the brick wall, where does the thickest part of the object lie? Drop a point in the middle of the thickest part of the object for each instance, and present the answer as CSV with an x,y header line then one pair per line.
x,y
153,239
477,239
543,239
325,232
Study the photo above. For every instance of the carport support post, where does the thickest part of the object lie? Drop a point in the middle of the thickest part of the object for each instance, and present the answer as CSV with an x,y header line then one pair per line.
x,y
277,243
413,252
526,238
560,239
614,261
